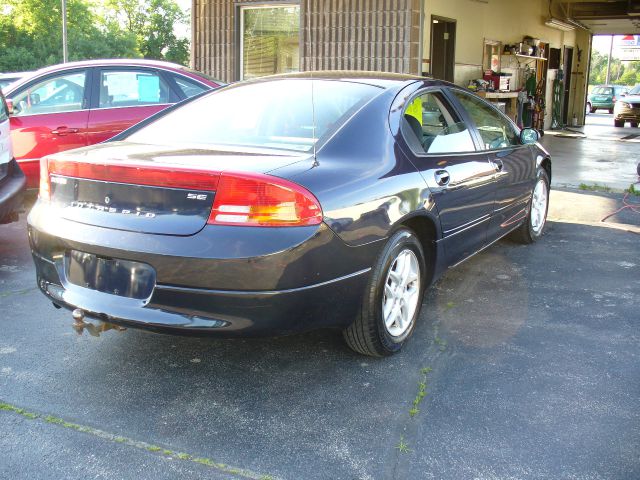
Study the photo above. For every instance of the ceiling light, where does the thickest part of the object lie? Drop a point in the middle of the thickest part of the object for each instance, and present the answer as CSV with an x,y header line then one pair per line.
x,y
559,24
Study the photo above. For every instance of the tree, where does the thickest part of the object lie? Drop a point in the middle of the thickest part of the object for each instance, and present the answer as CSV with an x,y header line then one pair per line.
x,y
31,34
153,23
31,31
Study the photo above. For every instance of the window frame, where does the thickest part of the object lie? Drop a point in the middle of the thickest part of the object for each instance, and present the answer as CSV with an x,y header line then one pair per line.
x,y
86,99
241,7
474,127
453,109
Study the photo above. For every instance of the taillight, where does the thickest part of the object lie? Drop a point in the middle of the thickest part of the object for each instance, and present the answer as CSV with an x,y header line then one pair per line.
x,y
45,182
263,200
614,99
166,175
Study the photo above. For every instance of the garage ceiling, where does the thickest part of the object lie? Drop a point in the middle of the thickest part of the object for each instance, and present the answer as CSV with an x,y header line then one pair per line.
x,y
601,16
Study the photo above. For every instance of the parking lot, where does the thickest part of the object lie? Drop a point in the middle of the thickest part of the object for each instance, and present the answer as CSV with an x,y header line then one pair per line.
x,y
528,357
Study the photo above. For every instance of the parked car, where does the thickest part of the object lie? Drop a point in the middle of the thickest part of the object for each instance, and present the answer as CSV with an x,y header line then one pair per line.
x,y
627,109
605,96
7,79
82,103
12,179
325,199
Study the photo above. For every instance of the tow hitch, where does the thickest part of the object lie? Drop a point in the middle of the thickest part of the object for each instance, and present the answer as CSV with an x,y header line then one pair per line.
x,y
80,325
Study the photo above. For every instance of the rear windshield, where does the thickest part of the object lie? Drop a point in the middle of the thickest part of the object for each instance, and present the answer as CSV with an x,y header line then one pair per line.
x,y
603,90
276,114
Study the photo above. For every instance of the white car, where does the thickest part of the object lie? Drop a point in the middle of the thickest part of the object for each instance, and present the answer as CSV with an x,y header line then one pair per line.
x,y
7,79
12,180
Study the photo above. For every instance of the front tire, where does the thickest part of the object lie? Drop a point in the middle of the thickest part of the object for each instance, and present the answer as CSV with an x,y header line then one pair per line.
x,y
634,124
611,110
618,123
392,300
533,227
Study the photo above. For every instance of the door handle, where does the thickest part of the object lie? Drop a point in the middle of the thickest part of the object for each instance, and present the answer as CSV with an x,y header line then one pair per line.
x,y
442,177
62,131
498,165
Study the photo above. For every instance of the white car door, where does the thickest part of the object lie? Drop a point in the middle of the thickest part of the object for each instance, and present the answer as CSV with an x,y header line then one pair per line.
x,y
5,138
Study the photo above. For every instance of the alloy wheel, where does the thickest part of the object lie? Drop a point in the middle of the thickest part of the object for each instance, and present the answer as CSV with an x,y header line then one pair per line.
x,y
401,293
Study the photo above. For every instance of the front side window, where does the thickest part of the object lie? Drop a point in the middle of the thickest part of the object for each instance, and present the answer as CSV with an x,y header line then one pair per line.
x,y
430,127
132,88
64,93
270,39
275,114
495,129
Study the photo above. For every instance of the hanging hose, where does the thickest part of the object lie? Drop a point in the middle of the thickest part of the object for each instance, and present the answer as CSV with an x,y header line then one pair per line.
x,y
556,113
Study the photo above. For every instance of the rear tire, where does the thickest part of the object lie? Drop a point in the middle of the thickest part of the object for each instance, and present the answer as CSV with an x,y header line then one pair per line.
x,y
392,300
618,123
611,110
590,109
533,227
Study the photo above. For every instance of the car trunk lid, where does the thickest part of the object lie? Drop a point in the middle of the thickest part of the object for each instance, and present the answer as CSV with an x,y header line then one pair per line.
x,y
148,188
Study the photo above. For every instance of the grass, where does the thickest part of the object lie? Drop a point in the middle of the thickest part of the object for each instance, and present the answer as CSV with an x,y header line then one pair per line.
x,y
596,187
7,407
402,446
422,391
632,190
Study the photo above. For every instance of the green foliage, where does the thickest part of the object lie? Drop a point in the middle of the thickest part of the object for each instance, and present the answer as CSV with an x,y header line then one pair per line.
x,y
622,73
31,31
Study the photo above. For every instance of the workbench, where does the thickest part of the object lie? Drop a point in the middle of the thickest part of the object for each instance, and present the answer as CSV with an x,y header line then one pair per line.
x,y
512,102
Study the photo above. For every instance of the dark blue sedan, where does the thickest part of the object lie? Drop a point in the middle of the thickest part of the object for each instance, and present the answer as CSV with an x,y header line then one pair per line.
x,y
289,203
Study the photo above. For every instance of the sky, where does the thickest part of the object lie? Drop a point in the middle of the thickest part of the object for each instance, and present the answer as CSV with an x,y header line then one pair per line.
x,y
183,31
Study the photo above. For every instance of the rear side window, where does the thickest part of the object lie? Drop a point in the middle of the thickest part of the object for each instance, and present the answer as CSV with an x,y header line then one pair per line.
x,y
429,126
494,128
132,88
189,87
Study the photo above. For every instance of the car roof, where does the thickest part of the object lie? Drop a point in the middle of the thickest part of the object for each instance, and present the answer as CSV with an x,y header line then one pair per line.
x,y
380,79
131,62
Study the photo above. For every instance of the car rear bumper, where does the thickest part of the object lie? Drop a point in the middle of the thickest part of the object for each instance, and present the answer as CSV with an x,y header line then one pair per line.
x,y
11,191
595,104
214,282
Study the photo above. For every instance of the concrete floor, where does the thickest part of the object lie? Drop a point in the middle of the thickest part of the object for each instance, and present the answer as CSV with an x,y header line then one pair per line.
x,y
596,154
532,372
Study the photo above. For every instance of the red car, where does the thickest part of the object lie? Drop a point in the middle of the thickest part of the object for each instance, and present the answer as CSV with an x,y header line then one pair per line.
x,y
81,103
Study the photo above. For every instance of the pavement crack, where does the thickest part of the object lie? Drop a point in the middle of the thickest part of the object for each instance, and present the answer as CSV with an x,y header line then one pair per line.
x,y
140,445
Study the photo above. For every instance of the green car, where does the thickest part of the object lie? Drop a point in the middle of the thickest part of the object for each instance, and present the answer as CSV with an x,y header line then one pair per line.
x,y
605,96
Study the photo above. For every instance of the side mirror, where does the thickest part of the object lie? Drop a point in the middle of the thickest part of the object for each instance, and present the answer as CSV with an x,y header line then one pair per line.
x,y
9,105
529,135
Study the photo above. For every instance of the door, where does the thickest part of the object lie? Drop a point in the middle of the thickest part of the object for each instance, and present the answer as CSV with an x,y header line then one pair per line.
x,y
124,97
443,48
460,178
513,163
49,116
5,138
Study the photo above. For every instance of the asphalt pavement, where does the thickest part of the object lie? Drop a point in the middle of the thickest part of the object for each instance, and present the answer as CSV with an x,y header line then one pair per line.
x,y
524,364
